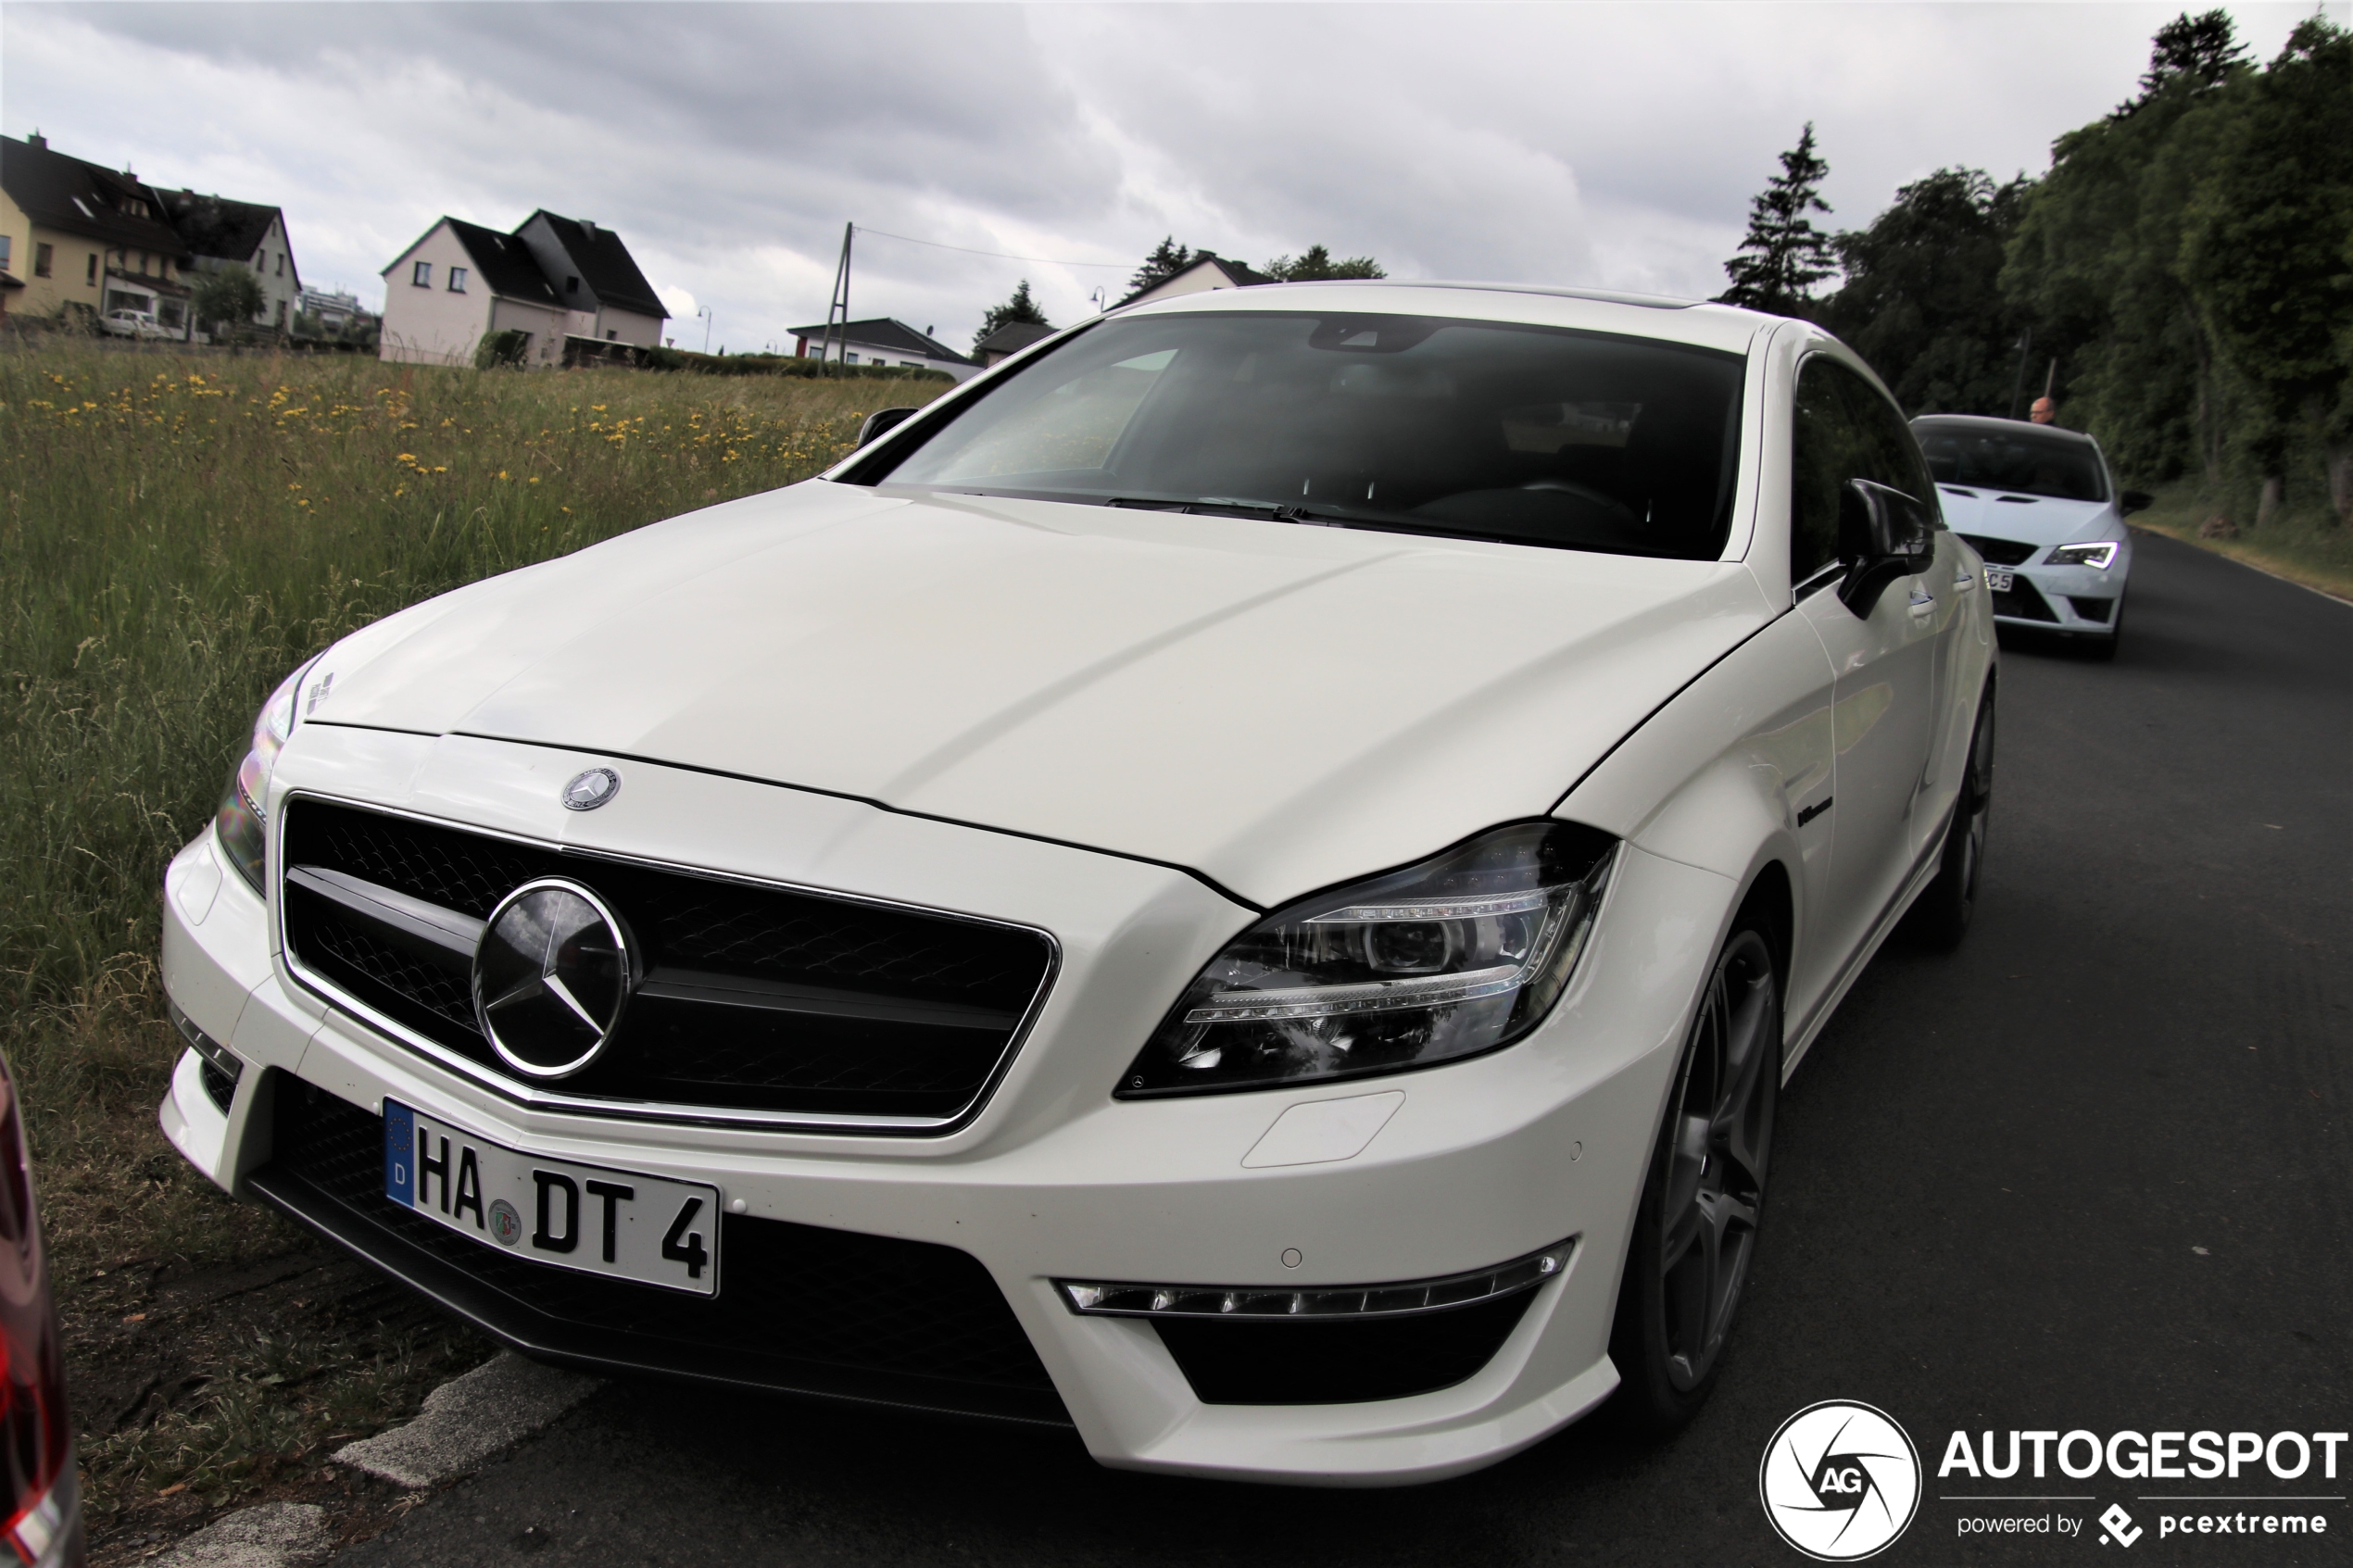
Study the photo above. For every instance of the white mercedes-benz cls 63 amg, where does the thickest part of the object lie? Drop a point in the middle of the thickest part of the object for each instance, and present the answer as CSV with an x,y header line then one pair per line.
x,y
1245,884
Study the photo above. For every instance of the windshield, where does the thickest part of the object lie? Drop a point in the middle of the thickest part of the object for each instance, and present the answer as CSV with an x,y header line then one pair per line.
x,y
1478,430
2025,462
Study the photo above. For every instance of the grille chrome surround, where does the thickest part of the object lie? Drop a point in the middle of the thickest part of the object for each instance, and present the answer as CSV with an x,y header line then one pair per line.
x,y
555,1098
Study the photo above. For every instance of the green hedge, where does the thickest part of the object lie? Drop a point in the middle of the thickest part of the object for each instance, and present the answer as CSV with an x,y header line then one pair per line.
x,y
784,365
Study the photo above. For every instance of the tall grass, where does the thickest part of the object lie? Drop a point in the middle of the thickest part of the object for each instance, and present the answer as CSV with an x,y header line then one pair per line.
x,y
177,531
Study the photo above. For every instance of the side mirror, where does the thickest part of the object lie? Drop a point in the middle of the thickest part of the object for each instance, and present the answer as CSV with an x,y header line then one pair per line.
x,y
2134,501
1884,535
881,422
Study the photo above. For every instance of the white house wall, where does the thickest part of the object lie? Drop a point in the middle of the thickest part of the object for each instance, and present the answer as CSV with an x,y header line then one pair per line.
x,y
546,327
431,325
273,266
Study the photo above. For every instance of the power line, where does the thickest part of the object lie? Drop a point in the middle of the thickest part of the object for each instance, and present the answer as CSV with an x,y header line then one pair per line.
x,y
1042,260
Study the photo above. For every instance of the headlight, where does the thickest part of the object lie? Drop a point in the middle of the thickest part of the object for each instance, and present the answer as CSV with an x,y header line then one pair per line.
x,y
2097,556
1458,955
239,822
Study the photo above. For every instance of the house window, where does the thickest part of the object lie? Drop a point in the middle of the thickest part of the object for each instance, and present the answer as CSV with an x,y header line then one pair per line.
x,y
571,285
457,280
281,264
41,255
4,253
90,274
421,274
611,337
847,357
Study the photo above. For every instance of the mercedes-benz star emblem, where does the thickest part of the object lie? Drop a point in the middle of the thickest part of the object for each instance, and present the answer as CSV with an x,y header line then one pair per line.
x,y
589,790
553,973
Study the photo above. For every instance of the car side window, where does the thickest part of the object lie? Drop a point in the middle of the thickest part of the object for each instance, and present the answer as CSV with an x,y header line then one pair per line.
x,y
1829,449
1896,459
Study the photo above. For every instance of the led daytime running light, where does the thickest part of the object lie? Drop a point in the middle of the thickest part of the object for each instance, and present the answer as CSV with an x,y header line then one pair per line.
x,y
1372,995
1408,1298
1441,908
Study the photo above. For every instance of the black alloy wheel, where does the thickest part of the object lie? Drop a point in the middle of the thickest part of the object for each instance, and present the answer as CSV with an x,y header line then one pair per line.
x,y
1946,905
1695,1230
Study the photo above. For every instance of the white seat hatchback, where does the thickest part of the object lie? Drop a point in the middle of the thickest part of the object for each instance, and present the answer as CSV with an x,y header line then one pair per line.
x,y
1244,884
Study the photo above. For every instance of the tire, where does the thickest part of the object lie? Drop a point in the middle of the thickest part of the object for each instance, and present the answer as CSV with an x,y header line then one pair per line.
x,y
2100,650
1695,1228
1942,916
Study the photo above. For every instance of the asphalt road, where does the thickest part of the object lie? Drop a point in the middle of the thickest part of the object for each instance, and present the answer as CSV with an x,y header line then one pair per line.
x,y
2093,1170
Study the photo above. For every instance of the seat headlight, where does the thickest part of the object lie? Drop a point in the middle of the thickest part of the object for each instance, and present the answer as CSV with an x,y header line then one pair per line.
x,y
2094,556
1460,954
241,823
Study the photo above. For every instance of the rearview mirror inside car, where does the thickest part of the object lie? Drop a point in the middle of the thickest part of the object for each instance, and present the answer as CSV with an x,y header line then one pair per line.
x,y
881,422
1884,535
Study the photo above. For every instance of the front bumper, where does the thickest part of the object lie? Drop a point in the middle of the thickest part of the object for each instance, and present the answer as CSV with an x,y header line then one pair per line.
x,y
2075,600
1480,1162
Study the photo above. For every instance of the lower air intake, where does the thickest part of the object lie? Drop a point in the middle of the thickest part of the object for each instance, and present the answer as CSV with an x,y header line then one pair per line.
x,y
803,1310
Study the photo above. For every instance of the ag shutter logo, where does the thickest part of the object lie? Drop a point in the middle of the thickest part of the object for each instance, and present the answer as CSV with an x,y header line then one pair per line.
x,y
1840,1481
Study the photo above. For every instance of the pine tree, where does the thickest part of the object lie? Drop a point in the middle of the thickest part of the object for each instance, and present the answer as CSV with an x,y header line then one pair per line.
x,y
1020,308
1315,263
1168,259
2202,50
1784,256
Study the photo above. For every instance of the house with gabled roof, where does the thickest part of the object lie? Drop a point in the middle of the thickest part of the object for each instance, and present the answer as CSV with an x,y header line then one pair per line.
x,y
554,278
86,240
882,340
1206,270
594,279
219,233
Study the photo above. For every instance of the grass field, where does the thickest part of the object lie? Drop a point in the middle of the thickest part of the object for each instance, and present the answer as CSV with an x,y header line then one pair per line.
x,y
2305,545
177,531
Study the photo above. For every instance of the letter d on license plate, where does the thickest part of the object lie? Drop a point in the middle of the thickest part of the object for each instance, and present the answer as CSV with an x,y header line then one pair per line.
x,y
601,1222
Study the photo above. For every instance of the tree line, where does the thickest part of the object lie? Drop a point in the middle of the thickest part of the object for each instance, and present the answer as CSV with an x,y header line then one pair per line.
x,y
2180,279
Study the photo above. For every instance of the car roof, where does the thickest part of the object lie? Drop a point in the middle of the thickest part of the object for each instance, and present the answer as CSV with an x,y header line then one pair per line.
x,y
1698,324
2000,427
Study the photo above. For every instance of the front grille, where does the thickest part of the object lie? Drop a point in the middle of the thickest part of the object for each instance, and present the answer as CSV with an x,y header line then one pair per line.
x,y
1338,1362
758,1002
801,1309
2001,552
2023,602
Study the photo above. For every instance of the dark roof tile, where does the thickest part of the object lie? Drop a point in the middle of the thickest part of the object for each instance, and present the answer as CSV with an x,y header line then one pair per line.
x,y
602,262
82,198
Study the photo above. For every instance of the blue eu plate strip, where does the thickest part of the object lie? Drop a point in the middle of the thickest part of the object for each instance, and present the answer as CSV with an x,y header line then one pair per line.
x,y
400,1153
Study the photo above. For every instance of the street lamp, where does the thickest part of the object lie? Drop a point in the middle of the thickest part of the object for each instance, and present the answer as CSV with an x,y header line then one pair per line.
x,y
704,311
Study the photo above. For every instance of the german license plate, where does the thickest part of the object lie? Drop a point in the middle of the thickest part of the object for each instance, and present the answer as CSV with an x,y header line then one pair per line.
x,y
2000,578
601,1222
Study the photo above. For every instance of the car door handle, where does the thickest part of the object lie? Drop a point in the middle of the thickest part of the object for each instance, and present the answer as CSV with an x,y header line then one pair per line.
x,y
1964,580
1922,601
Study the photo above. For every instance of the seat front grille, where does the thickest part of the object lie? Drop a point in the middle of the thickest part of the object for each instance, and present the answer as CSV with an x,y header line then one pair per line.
x,y
758,1001
2001,552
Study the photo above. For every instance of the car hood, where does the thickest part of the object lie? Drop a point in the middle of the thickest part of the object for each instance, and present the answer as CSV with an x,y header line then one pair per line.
x,y
2030,520
1274,706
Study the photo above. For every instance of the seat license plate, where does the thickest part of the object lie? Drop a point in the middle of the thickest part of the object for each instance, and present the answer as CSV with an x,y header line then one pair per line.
x,y
2000,578
601,1222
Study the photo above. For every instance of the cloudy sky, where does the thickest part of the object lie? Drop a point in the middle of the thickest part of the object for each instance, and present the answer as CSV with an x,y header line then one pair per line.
x,y
1613,145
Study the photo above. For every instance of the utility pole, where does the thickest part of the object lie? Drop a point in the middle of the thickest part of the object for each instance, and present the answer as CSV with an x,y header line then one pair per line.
x,y
838,302
704,311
